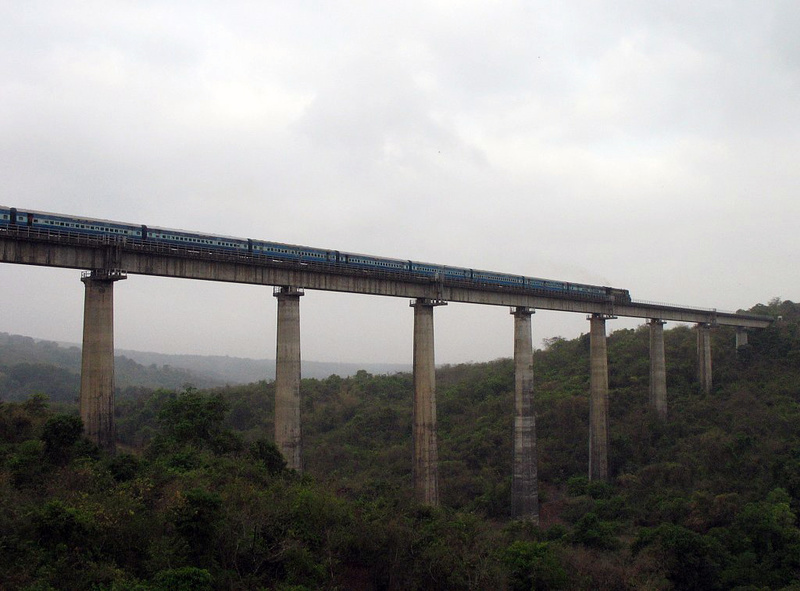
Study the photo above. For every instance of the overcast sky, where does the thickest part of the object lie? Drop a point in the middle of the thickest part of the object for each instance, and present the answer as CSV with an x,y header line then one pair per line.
x,y
647,145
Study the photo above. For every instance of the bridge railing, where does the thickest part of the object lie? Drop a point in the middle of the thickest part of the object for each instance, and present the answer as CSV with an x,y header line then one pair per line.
x,y
193,251
129,244
56,236
637,302
62,237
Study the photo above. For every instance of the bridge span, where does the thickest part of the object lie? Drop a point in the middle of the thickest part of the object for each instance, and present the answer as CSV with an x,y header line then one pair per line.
x,y
52,249
106,260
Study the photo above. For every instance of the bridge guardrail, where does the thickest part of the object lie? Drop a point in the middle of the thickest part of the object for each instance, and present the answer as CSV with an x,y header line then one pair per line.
x,y
677,306
193,252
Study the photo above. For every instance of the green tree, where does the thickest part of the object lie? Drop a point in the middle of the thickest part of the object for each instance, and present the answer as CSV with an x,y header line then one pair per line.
x,y
267,452
60,434
765,542
691,561
196,419
591,531
534,566
187,578
59,526
196,520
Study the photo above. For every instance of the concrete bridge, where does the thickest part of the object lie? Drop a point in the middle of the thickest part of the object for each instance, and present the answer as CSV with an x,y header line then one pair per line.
x,y
106,261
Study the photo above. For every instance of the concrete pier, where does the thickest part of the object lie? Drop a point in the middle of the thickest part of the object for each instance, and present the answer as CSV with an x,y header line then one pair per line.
x,y
97,359
658,369
425,450
525,485
598,398
287,377
741,338
704,357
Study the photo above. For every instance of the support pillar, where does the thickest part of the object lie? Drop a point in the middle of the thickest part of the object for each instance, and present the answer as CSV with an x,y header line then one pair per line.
x,y
741,338
598,398
704,357
425,451
97,358
525,486
658,369
287,377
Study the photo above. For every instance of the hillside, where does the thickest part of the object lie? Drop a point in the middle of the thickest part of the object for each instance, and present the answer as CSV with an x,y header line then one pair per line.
x,y
706,500
238,370
29,366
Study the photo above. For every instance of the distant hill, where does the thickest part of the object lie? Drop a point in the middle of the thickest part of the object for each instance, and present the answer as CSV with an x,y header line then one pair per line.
x,y
237,370
28,366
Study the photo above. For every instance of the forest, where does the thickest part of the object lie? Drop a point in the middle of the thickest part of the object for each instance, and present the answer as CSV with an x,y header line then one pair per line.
x,y
198,498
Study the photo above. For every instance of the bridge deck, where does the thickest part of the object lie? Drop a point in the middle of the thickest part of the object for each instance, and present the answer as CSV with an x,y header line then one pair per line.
x,y
76,251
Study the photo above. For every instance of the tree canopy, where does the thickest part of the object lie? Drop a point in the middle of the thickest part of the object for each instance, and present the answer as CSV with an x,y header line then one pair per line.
x,y
200,497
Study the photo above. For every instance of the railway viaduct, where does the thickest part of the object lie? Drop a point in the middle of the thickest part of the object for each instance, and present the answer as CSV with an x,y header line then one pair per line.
x,y
105,261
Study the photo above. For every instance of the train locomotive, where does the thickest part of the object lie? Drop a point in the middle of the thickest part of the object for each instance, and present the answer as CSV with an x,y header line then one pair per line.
x,y
11,218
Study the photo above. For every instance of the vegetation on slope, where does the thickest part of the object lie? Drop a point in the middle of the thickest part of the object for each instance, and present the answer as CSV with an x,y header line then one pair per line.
x,y
28,366
708,499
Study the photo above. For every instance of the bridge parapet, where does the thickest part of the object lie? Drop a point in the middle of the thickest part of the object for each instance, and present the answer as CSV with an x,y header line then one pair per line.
x,y
77,251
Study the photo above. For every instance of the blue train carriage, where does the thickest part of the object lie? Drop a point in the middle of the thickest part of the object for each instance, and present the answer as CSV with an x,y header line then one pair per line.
x,y
62,224
194,241
426,269
547,286
492,278
84,226
10,216
5,216
457,273
586,291
291,252
363,261
440,272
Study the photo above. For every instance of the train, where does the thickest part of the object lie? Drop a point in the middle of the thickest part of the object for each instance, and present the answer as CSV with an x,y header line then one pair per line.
x,y
12,217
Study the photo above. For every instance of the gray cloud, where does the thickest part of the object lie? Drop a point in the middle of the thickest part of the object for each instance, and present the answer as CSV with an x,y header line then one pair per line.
x,y
643,145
